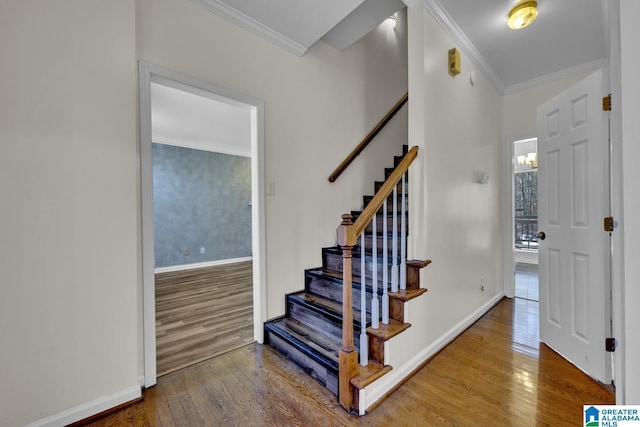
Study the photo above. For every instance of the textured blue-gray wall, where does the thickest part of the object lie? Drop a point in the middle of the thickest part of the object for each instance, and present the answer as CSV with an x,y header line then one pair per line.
x,y
200,199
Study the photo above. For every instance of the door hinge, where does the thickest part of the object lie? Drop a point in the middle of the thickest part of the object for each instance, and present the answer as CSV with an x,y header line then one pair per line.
x,y
608,224
606,103
610,344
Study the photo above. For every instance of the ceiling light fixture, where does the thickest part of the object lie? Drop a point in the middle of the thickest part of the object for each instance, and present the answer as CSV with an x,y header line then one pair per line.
x,y
522,15
392,21
529,159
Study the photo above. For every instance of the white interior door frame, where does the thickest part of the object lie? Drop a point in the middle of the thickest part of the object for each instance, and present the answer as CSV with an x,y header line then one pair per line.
x,y
508,209
509,251
147,74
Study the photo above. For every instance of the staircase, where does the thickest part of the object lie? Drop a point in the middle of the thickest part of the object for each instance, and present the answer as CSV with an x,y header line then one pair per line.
x,y
311,331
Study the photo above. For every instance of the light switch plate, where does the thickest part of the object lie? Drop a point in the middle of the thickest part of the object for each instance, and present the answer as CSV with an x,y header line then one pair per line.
x,y
271,188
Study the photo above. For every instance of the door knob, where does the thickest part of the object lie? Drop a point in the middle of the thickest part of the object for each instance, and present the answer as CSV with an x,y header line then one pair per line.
x,y
540,235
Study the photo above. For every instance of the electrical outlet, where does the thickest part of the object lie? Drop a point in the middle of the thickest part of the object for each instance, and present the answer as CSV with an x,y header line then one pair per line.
x,y
482,283
186,252
203,250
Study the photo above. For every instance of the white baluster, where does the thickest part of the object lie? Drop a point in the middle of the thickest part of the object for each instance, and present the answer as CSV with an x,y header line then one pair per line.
x,y
375,314
364,338
394,243
385,267
403,238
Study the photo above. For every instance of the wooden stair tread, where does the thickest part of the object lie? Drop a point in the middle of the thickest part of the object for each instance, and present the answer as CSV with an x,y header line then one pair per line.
x,y
356,214
356,254
325,272
399,197
322,348
336,276
368,374
408,294
324,306
386,332
418,263
380,183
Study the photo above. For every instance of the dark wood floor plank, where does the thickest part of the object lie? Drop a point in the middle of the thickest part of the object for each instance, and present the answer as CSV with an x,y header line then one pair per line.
x,y
482,378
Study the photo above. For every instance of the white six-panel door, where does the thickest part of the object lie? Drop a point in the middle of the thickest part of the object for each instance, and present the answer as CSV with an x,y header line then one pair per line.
x,y
572,202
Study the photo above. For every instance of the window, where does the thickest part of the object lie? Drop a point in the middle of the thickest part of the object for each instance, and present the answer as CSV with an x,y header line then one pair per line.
x,y
525,188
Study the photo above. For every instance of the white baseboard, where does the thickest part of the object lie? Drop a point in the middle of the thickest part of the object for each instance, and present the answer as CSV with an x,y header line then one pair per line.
x,y
378,389
88,409
201,264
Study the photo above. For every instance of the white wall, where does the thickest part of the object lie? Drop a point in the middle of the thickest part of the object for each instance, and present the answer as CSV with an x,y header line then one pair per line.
x,y
519,109
317,108
519,122
630,131
68,174
454,221
70,306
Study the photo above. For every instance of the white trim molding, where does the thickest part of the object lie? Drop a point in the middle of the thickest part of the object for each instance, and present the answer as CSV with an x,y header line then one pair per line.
x,y
86,410
509,266
201,264
447,23
583,68
248,23
149,73
434,7
145,75
376,391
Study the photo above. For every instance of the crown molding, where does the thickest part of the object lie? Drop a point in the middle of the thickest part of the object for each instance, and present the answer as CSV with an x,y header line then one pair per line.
x,y
451,28
233,15
529,84
444,19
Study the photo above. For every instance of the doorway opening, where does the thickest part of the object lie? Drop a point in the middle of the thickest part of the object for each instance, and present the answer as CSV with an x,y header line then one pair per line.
x,y
203,251
525,218
202,227
525,245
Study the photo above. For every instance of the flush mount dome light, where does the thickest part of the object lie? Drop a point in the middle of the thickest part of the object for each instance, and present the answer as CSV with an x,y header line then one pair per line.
x,y
392,21
522,15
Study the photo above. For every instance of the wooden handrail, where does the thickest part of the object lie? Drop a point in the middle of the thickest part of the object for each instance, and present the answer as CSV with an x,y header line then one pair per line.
x,y
348,234
367,139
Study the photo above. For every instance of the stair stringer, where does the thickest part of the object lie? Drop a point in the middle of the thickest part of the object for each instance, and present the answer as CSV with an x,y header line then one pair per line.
x,y
406,363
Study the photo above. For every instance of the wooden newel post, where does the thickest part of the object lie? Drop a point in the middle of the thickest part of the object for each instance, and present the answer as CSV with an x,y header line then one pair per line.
x,y
348,359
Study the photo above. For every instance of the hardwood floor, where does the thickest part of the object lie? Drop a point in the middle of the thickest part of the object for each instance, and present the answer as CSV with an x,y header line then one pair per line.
x,y
492,375
527,281
202,313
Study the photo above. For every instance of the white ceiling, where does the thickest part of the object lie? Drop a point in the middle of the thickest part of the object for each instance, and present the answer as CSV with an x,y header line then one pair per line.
x,y
194,121
567,36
